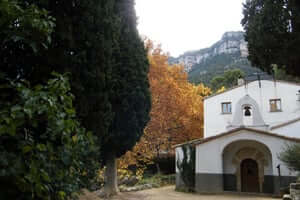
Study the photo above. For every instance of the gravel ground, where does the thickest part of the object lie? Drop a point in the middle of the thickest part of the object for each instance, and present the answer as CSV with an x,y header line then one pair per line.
x,y
168,193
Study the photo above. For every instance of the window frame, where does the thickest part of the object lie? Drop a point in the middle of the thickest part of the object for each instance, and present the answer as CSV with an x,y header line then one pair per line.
x,y
276,108
222,110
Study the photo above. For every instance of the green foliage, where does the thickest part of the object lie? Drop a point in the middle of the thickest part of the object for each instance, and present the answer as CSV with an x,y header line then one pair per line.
x,y
291,157
97,42
87,49
273,34
44,152
280,74
217,65
228,80
217,82
187,167
130,96
81,43
25,30
27,25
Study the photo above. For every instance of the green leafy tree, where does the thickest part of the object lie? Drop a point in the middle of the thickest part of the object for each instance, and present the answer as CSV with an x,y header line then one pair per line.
x,y
45,153
291,156
217,82
231,77
280,74
81,42
228,80
25,30
98,43
273,34
51,155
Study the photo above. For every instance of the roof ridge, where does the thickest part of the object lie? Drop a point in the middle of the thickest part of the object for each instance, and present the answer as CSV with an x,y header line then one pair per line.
x,y
237,86
204,140
285,123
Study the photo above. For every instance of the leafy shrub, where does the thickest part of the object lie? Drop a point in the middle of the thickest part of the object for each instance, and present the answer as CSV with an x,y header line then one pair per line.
x,y
44,152
291,157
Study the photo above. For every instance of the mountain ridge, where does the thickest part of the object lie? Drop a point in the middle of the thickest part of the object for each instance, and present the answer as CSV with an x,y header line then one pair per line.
x,y
228,53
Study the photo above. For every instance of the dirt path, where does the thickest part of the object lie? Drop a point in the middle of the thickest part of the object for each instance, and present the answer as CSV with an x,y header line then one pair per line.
x,y
168,193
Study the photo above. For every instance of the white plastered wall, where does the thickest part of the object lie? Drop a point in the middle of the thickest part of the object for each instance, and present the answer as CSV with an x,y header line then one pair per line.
x,y
215,122
209,159
291,130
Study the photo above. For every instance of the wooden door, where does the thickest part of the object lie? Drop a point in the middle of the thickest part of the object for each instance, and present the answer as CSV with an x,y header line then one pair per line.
x,y
249,172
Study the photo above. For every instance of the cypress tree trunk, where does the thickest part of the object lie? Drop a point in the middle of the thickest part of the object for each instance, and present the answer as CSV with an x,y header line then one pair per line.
x,y
111,177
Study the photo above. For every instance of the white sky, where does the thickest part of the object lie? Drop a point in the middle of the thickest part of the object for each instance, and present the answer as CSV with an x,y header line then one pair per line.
x,y
184,25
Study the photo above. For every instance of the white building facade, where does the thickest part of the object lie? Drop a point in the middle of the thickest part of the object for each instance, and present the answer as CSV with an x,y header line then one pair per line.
x,y
245,130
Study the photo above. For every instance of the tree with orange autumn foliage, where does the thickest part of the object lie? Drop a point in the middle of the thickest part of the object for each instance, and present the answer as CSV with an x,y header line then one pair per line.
x,y
176,114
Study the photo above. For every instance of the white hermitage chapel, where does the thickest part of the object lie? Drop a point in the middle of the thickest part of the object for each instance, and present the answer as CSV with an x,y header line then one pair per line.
x,y
245,129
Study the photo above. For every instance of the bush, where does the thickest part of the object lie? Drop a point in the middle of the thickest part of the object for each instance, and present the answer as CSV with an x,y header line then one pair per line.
x,y
166,165
187,167
44,152
291,157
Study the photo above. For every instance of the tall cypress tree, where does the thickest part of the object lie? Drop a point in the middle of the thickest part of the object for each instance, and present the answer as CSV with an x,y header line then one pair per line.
x,y
130,95
86,36
272,32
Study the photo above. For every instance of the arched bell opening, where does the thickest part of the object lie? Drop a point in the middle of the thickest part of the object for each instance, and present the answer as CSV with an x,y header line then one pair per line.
x,y
247,111
247,115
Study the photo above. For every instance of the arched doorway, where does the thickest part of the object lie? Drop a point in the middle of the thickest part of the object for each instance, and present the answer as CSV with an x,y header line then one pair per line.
x,y
238,151
249,176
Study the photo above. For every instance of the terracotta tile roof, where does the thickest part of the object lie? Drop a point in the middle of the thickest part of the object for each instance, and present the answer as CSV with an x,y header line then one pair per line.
x,y
237,86
204,140
285,123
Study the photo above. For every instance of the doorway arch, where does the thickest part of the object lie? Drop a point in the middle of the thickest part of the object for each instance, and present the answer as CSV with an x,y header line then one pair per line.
x,y
235,153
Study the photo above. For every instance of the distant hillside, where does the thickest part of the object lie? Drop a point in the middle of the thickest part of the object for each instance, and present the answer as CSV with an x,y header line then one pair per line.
x,y
228,53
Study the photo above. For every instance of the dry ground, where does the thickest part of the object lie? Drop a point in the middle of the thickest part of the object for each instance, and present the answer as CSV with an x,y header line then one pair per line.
x,y
168,193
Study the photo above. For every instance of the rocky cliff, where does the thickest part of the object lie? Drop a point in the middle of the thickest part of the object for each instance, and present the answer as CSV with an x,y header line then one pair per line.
x,y
228,53
231,43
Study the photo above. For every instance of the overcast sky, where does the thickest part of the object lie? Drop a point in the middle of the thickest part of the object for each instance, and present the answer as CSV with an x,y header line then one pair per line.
x,y
183,25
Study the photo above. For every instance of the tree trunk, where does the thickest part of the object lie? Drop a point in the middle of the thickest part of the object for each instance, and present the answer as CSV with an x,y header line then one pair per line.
x,y
158,168
157,160
111,177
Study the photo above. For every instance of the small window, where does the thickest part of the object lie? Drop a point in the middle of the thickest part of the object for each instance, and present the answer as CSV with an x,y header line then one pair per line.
x,y
275,105
226,108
